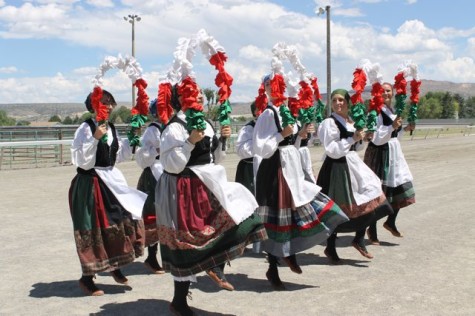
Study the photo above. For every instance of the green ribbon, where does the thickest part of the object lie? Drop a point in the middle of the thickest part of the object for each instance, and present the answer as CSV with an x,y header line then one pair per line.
x,y
357,113
306,116
104,137
400,104
223,113
413,113
287,118
195,119
372,120
319,111
136,123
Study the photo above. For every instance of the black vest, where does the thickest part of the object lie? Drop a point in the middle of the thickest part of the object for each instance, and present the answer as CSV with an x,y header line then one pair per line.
x,y
344,133
105,155
204,149
160,128
387,121
289,140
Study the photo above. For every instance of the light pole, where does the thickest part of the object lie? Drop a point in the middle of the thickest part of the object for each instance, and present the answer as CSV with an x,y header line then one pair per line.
x,y
329,68
131,18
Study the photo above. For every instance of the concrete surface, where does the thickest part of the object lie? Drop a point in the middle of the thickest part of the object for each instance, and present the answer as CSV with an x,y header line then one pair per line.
x,y
431,271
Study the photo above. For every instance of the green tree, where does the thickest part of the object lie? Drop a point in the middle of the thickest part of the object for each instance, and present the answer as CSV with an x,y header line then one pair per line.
x,y
67,120
123,113
6,120
468,110
23,123
212,113
448,106
210,96
85,116
55,118
429,108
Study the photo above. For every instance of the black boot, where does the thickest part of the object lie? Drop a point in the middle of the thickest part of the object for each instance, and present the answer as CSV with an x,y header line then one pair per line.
x,y
330,250
373,234
359,244
86,284
179,305
390,224
292,263
151,262
119,277
273,273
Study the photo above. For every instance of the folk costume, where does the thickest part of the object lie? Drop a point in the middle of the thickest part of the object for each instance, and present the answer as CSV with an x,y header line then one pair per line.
x,y
203,220
348,181
245,170
297,216
105,211
385,157
147,157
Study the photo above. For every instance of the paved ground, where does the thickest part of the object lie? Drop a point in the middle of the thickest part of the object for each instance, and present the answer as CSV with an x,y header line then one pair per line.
x,y
431,271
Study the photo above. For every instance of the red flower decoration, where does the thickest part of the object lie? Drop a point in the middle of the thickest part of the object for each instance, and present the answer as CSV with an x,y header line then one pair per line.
x,y
316,90
188,89
164,109
261,100
400,83
141,106
377,102
358,84
223,80
277,89
102,113
305,95
415,89
294,105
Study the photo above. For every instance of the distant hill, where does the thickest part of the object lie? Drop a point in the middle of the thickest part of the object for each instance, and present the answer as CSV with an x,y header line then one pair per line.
x,y
41,112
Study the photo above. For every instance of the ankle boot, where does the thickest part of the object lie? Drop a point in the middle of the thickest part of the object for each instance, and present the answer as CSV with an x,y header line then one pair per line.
x,y
119,277
86,283
151,262
330,250
179,305
292,263
272,273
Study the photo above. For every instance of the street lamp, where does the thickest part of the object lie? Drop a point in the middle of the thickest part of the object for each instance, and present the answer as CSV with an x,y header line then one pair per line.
x,y
329,69
131,18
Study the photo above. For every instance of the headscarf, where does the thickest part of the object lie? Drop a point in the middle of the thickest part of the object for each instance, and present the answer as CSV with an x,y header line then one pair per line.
x,y
343,93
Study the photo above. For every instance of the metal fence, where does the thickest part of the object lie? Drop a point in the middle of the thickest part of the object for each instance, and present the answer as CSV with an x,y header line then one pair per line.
x,y
34,147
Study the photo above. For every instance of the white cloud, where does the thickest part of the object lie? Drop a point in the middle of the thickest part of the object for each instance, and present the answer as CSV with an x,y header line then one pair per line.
x,y
2,3
8,70
101,3
246,29
411,1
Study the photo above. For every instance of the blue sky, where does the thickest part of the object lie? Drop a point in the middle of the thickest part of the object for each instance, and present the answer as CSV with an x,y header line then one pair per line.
x,y
51,50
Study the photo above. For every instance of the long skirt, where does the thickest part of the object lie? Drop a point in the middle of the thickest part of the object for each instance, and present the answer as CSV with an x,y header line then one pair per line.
x,y
195,231
147,184
106,236
377,158
245,174
292,229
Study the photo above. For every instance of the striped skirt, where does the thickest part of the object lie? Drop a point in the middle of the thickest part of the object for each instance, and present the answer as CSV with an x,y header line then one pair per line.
x,y
377,158
106,236
195,231
292,229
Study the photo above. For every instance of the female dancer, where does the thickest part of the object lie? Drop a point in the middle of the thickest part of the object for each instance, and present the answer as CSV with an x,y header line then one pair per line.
x,y
385,157
106,212
297,216
345,178
147,157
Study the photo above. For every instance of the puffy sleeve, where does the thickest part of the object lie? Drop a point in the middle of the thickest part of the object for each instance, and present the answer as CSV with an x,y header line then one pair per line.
x,y
329,135
244,142
150,147
125,150
175,150
84,148
266,137
382,134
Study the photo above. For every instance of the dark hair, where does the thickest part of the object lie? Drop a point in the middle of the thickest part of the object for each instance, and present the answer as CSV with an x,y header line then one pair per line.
x,y
175,101
107,98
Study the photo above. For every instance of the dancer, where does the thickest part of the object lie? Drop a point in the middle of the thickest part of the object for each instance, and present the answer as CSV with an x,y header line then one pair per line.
x,y
147,157
105,211
345,178
297,216
203,220
385,157
245,171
